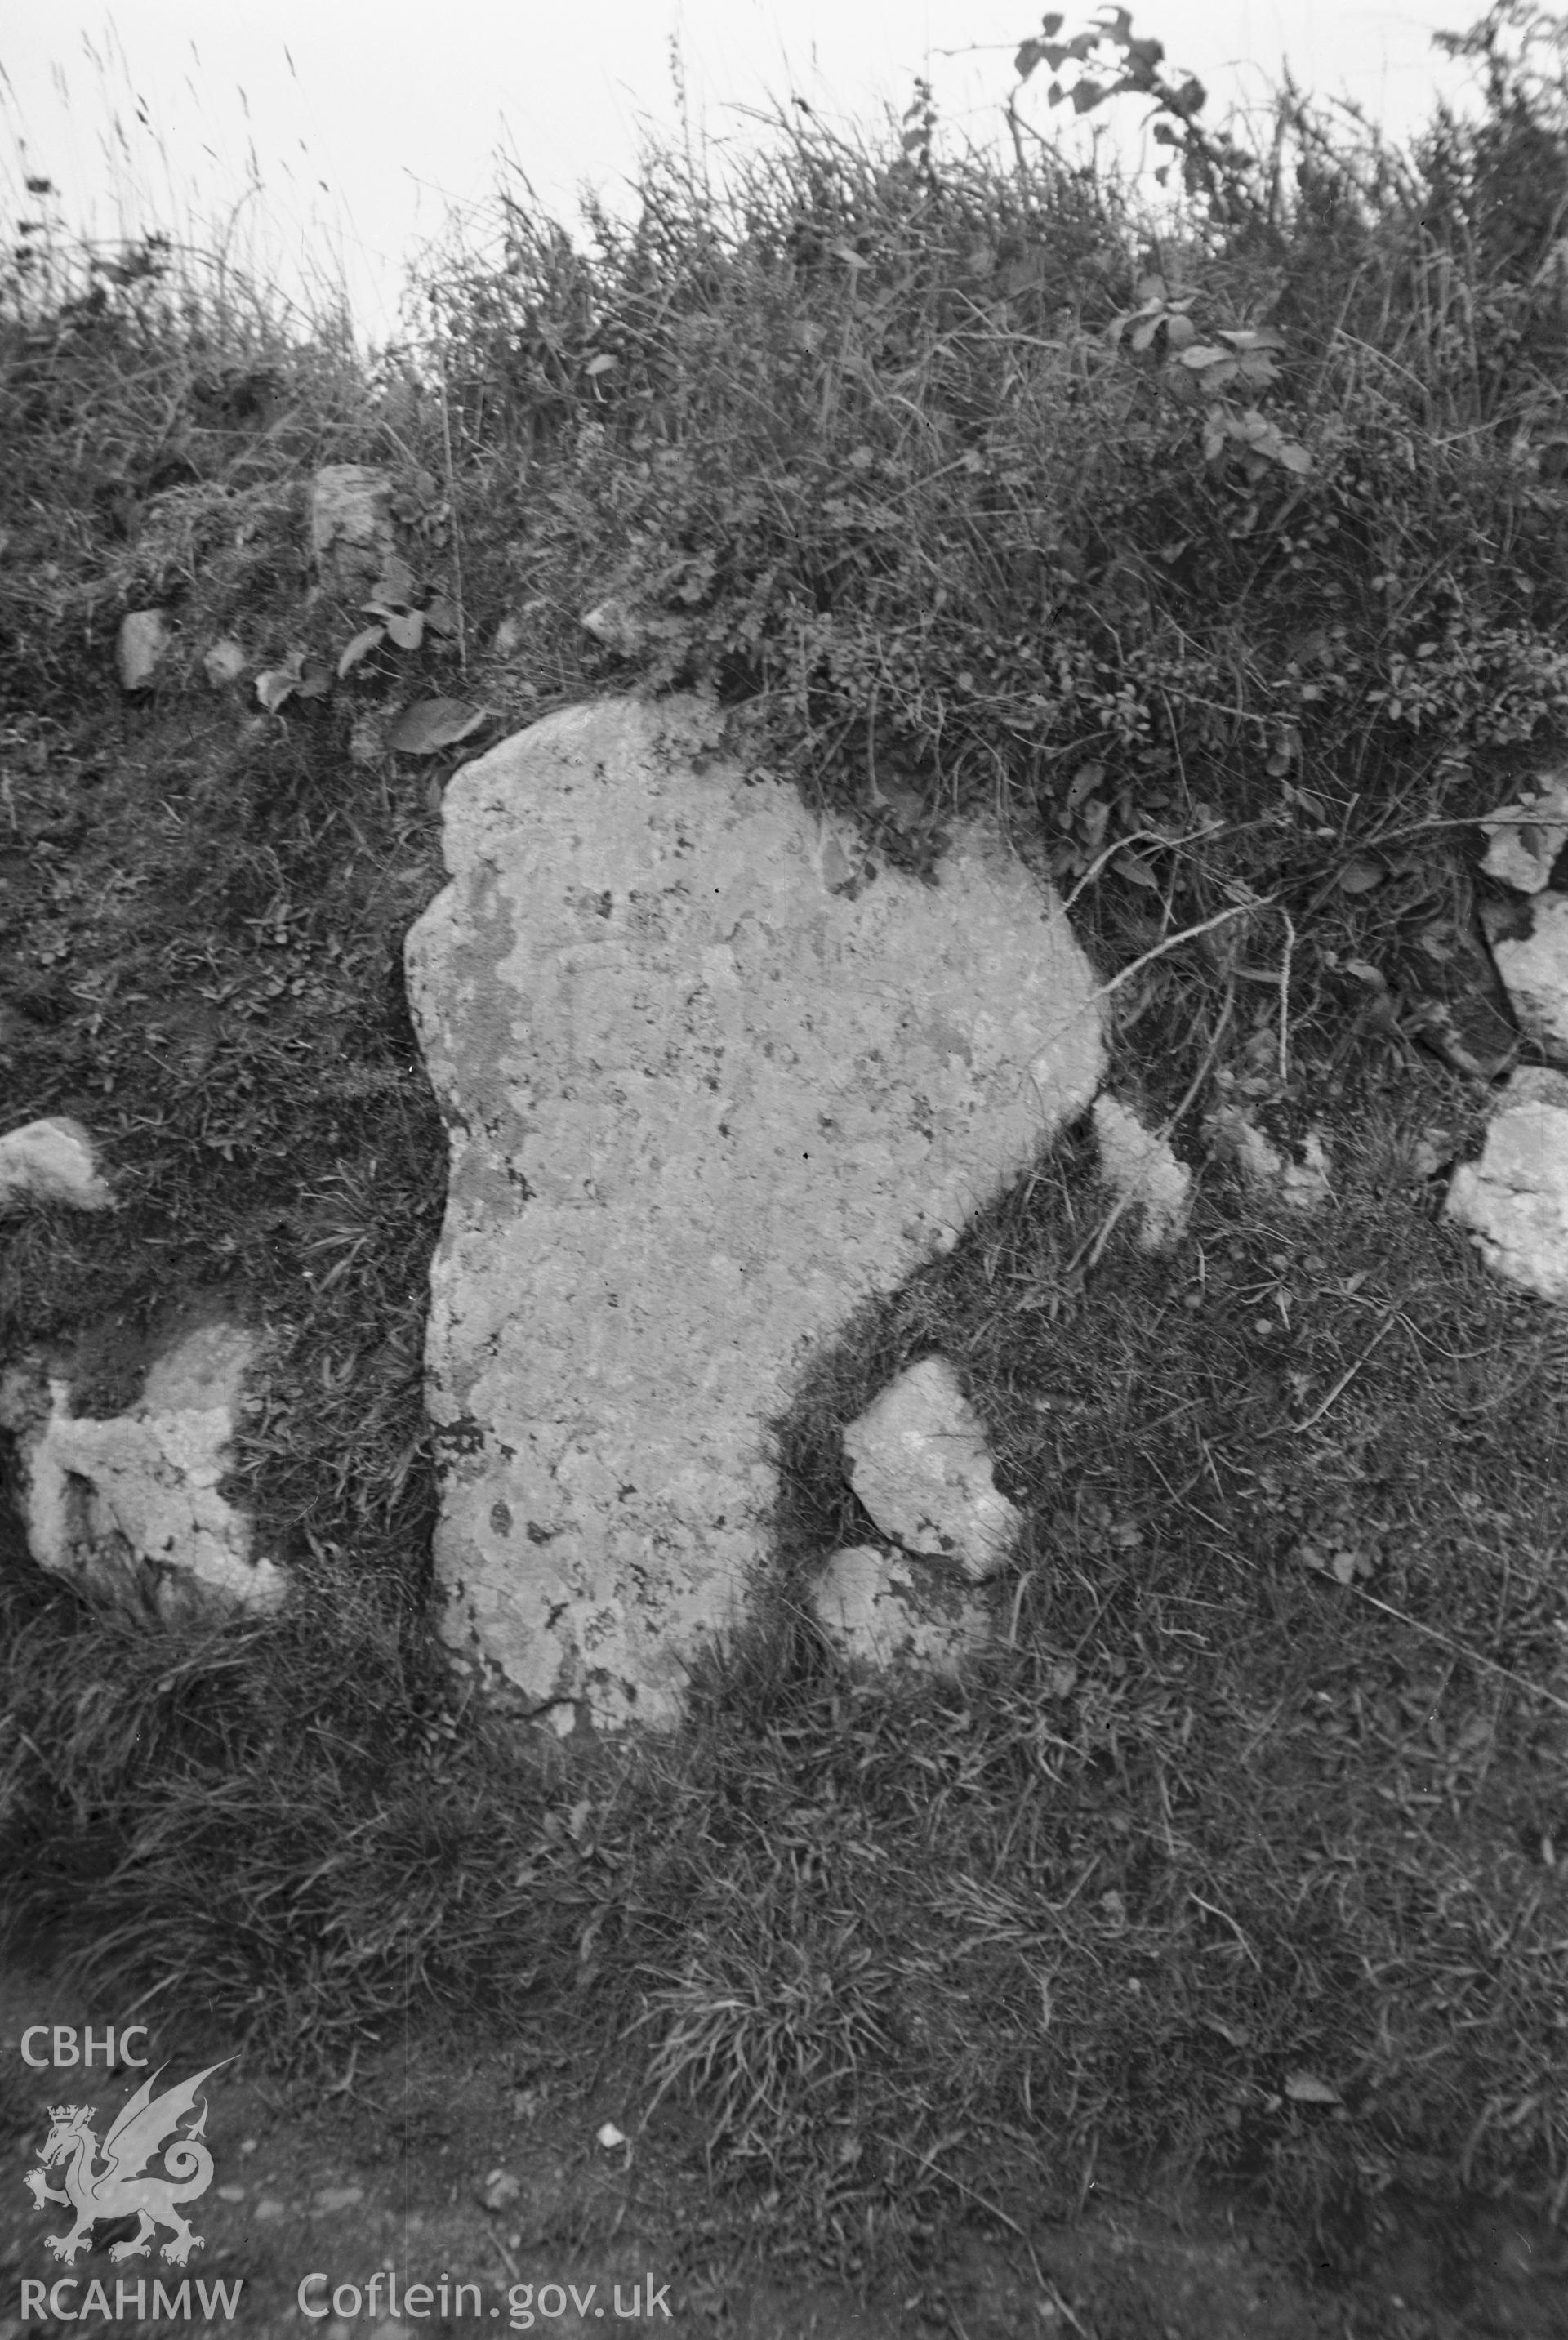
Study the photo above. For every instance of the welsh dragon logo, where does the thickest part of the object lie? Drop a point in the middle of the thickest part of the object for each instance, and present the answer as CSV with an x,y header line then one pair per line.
x,y
118,2189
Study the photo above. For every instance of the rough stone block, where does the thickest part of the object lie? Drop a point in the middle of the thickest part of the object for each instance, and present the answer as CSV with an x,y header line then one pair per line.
x,y
876,1608
352,537
919,1462
1531,948
141,647
50,1161
1514,1200
132,1503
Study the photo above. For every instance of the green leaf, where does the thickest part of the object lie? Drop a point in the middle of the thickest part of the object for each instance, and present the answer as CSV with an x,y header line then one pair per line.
x,y
394,588
361,647
1306,2089
432,724
297,677
1093,822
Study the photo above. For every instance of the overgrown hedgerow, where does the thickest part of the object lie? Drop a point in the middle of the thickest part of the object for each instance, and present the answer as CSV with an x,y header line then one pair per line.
x,y
1219,548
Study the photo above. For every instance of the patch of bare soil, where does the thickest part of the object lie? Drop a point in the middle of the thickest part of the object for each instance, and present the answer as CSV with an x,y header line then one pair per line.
x,y
432,2188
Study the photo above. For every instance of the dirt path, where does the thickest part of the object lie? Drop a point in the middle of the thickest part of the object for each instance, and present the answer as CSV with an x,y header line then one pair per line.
x,y
488,2172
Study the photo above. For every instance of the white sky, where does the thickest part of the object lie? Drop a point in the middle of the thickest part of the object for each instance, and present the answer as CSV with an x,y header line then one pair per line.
x,y
369,122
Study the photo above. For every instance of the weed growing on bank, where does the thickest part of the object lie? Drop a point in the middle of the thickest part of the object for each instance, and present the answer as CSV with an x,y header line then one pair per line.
x,y
1220,552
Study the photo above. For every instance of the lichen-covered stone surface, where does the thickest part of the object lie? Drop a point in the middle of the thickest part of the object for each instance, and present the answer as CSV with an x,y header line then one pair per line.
x,y
132,1504
1531,948
50,1161
1514,1202
877,1608
919,1462
700,1105
352,537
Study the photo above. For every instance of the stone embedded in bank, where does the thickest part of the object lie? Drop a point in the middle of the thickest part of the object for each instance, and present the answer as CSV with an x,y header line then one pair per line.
x,y
878,1607
51,1160
919,1462
1529,944
700,1103
1514,1202
352,534
1142,1167
130,1505
141,647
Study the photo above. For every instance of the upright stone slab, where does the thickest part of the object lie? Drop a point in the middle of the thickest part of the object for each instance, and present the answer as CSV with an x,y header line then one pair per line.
x,y
701,1102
